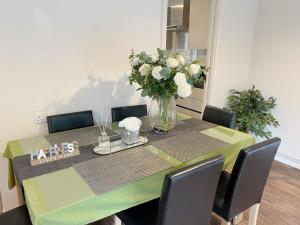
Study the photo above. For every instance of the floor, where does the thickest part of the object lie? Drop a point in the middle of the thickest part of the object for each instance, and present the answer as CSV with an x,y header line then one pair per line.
x,y
281,199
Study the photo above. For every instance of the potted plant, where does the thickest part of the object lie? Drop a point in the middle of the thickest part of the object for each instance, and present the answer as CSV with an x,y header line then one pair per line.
x,y
254,112
165,77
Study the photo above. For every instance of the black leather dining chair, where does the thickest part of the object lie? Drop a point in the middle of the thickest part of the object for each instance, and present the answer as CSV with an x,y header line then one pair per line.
x,y
187,198
120,113
219,116
244,187
17,216
70,121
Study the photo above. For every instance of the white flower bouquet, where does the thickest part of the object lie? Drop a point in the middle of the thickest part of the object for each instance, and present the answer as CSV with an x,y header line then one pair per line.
x,y
130,132
164,76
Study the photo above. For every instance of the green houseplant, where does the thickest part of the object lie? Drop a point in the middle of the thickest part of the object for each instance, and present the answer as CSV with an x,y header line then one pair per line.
x,y
254,112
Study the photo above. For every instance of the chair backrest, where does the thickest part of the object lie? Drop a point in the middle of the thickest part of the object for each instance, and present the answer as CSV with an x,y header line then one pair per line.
x,y
188,194
120,113
219,116
249,177
70,121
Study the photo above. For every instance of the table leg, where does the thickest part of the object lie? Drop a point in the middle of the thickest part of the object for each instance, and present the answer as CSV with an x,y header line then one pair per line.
x,y
19,192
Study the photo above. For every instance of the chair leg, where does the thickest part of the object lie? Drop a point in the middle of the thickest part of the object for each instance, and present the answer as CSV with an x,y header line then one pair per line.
x,y
117,221
238,219
224,222
253,214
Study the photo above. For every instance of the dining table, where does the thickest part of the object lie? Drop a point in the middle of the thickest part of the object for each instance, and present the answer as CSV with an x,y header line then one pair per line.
x,y
89,187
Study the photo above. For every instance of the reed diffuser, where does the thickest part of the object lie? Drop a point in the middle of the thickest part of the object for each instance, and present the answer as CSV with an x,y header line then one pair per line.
x,y
103,140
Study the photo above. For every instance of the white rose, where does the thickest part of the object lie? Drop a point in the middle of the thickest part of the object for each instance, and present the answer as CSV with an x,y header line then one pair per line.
x,y
156,72
135,61
194,69
155,57
131,124
145,69
181,59
172,62
184,90
180,79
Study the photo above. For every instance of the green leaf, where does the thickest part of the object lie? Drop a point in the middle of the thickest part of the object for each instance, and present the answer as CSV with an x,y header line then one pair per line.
x,y
166,73
144,93
254,112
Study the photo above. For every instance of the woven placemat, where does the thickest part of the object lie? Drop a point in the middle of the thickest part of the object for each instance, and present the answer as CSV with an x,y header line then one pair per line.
x,y
181,127
148,123
199,125
107,173
188,146
84,136
23,169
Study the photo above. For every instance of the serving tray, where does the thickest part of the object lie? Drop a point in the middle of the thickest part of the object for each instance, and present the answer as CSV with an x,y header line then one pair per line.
x,y
118,145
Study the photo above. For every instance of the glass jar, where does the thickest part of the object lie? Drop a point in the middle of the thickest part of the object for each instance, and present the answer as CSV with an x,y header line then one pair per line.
x,y
130,138
103,144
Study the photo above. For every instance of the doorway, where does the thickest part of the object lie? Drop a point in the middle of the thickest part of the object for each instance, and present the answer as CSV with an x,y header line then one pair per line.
x,y
191,26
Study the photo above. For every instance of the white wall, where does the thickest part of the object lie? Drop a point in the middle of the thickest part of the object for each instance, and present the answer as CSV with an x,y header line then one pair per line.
x,y
275,68
236,25
67,55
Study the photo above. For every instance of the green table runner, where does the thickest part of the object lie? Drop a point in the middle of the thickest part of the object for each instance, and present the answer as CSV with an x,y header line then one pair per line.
x,y
21,147
52,199
63,197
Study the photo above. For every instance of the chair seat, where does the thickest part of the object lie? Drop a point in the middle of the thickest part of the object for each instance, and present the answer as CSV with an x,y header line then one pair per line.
x,y
145,214
17,216
221,192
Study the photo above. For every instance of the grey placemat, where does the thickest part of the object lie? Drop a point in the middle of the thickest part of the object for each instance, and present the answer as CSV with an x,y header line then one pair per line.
x,y
147,123
84,136
109,172
199,125
181,127
24,170
189,145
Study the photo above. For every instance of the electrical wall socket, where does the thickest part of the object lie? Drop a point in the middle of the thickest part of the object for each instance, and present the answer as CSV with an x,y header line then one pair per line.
x,y
40,117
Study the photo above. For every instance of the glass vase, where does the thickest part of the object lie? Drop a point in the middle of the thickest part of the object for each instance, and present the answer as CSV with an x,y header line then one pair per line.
x,y
163,114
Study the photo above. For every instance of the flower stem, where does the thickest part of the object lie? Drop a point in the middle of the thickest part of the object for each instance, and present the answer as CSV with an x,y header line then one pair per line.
x,y
164,113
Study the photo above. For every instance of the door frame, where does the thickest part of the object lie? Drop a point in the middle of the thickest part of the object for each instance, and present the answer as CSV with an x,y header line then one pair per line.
x,y
213,38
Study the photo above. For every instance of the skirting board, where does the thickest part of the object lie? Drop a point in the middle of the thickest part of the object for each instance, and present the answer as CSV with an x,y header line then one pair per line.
x,y
288,160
